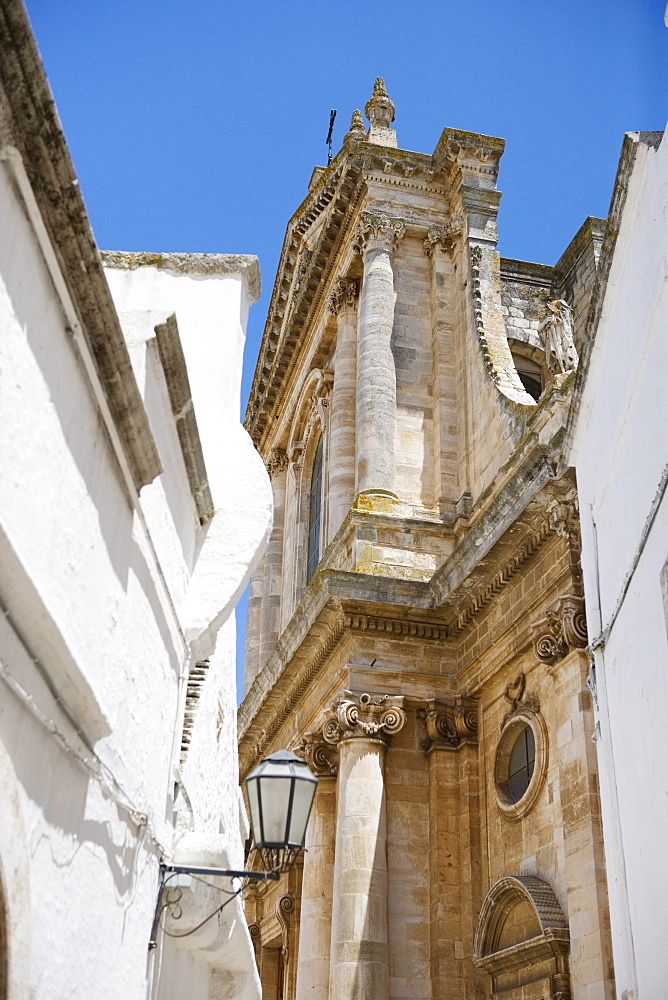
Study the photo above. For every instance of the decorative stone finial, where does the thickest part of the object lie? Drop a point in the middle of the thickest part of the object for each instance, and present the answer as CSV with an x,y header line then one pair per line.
x,y
379,109
357,130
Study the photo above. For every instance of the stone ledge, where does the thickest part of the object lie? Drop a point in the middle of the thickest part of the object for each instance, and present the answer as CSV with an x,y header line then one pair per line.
x,y
207,264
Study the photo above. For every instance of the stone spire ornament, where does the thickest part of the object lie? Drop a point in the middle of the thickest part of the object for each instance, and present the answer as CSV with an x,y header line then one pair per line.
x,y
357,130
379,109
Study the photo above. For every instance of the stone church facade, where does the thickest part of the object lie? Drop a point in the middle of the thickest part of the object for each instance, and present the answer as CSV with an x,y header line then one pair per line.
x,y
416,628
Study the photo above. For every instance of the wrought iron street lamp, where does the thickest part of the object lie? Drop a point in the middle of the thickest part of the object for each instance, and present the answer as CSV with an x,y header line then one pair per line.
x,y
280,794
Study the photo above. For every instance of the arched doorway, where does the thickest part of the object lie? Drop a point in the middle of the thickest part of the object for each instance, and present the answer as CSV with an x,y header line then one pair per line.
x,y
523,941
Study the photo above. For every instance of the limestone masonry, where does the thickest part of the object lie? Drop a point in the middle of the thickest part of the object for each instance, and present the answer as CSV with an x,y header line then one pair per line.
x,y
416,628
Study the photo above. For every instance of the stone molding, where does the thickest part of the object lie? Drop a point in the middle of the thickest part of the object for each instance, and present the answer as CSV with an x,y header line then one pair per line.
x,y
277,463
450,725
364,716
551,946
443,237
322,757
395,626
563,629
376,231
476,292
344,296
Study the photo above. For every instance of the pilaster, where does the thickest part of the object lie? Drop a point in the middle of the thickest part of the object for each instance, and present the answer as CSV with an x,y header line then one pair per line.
x,y
341,492
273,559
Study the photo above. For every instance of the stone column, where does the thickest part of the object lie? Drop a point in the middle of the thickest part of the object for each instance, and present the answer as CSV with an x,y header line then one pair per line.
x,y
361,726
273,559
318,874
376,238
341,487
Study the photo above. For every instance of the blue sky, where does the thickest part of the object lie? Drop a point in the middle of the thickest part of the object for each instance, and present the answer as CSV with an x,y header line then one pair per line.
x,y
194,125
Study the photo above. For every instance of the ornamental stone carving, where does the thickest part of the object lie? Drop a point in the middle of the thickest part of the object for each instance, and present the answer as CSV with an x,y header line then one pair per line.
x,y
556,336
564,628
344,296
443,237
379,109
449,725
354,716
515,694
357,130
377,231
322,757
278,462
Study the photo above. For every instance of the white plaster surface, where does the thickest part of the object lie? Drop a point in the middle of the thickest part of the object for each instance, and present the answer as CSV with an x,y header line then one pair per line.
x,y
621,454
113,599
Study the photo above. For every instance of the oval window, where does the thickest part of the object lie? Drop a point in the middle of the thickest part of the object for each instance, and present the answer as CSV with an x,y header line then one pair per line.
x,y
521,764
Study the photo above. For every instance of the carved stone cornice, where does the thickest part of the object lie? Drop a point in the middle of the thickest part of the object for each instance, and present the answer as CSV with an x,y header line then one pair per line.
x,y
376,231
564,628
450,725
278,462
344,296
443,237
395,626
322,757
364,716
518,699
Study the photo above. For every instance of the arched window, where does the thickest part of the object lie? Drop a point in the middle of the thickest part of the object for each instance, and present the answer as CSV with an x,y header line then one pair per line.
x,y
530,373
314,513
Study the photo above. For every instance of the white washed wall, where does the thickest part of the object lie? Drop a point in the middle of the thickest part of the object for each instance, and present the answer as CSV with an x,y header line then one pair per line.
x,y
108,596
621,456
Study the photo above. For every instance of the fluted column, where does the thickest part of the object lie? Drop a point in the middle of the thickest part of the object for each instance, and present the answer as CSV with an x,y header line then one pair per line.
x,y
376,238
341,488
361,726
318,873
273,559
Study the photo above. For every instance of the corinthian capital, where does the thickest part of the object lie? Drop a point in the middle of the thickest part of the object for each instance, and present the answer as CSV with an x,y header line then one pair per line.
x,y
450,724
344,296
443,237
354,716
378,232
278,462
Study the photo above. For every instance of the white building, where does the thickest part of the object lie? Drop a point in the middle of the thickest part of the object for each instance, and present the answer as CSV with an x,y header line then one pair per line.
x,y
620,452
133,508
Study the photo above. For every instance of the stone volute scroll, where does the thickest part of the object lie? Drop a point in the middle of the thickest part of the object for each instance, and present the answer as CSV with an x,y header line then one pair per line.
x,y
364,716
450,725
563,629
322,757
556,335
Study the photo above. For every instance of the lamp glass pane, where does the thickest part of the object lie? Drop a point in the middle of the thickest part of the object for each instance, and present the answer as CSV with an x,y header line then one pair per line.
x,y
275,794
301,807
253,805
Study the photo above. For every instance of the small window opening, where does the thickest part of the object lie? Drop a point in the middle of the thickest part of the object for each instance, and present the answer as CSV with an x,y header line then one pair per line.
x,y
521,764
530,373
314,513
